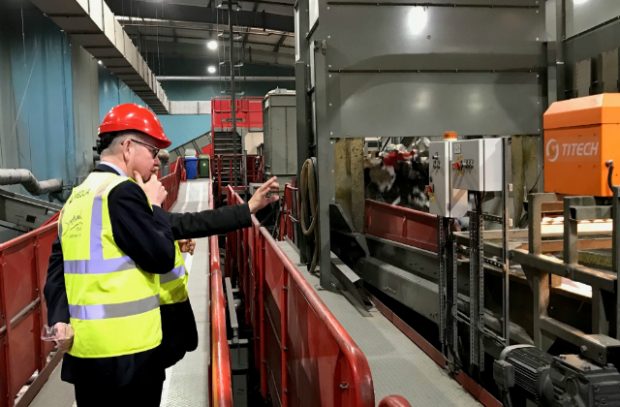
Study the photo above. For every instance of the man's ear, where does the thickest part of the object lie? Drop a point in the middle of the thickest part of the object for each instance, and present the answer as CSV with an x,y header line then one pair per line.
x,y
126,148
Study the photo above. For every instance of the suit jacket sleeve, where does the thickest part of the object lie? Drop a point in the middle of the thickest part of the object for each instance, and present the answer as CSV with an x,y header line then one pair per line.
x,y
54,291
210,222
144,234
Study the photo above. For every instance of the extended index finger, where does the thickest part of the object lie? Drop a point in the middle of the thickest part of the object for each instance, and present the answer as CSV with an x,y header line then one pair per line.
x,y
267,184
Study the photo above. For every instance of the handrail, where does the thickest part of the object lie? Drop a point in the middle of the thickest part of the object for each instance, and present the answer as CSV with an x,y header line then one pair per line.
x,y
394,401
280,284
221,381
362,380
171,183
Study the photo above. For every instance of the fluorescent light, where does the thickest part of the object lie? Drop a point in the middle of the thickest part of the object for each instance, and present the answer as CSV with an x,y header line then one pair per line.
x,y
579,2
417,19
212,45
211,69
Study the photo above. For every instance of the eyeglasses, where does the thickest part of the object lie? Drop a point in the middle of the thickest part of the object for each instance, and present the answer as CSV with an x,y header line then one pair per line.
x,y
154,150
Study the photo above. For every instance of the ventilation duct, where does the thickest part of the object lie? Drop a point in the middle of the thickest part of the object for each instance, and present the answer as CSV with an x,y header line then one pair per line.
x,y
92,25
29,181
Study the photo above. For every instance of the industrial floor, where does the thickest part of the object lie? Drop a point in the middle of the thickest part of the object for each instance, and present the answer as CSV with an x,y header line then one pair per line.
x,y
397,365
186,382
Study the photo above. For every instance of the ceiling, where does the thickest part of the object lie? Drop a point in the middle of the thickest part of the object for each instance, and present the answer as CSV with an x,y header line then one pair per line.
x,y
172,34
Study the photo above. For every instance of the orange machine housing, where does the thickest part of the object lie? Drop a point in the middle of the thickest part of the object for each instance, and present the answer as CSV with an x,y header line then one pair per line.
x,y
580,136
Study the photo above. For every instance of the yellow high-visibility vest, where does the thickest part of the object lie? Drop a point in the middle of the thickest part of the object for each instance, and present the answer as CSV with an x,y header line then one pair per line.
x,y
113,304
173,284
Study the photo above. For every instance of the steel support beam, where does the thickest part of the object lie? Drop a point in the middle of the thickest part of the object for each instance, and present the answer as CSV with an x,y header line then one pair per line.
x,y
201,14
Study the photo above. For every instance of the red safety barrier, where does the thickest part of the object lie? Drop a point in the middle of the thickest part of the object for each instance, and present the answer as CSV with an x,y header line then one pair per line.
x,y
289,215
305,357
404,225
220,373
171,182
224,173
394,401
23,271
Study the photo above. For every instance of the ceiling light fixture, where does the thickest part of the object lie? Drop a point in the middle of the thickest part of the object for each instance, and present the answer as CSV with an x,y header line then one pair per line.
x,y
211,69
212,45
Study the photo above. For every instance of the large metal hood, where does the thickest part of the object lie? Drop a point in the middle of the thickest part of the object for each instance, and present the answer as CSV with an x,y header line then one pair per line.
x,y
92,25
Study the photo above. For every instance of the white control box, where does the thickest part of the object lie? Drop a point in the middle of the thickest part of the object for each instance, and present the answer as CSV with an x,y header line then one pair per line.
x,y
477,164
443,199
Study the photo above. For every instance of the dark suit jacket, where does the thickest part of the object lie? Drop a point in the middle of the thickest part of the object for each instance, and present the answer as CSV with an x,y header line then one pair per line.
x,y
147,236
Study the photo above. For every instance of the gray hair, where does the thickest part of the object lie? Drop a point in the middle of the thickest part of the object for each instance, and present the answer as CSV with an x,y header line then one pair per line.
x,y
114,146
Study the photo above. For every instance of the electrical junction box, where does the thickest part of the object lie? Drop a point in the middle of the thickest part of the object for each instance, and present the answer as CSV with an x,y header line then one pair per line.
x,y
477,164
443,199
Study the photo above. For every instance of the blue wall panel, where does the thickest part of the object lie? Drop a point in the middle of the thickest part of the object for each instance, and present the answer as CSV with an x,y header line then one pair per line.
x,y
40,92
113,91
182,128
179,128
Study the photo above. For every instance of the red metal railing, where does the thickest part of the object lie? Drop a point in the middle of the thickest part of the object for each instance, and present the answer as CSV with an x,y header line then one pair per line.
x,y
220,373
404,225
289,215
23,271
224,173
171,182
305,357
394,401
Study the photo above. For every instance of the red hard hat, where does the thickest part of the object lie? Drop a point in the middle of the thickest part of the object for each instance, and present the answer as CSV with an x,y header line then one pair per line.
x,y
130,116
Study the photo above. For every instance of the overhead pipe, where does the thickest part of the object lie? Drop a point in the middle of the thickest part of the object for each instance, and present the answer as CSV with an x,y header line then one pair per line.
x,y
227,78
29,181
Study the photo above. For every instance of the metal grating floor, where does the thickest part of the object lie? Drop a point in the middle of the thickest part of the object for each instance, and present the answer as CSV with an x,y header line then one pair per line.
x,y
186,383
397,365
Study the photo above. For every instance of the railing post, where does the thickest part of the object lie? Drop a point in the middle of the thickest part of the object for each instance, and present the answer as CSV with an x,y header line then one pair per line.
x,y
6,399
284,335
261,310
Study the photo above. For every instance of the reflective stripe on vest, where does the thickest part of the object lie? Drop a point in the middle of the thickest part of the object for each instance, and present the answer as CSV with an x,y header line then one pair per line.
x,y
174,274
113,305
173,284
97,264
123,309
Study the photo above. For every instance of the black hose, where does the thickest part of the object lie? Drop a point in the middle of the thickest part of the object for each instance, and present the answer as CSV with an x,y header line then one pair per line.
x,y
308,196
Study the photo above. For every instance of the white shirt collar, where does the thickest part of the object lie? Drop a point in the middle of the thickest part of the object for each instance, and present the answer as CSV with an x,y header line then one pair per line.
x,y
114,167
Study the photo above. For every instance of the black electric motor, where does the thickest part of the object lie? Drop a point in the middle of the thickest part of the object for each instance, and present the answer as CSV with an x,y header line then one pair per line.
x,y
526,372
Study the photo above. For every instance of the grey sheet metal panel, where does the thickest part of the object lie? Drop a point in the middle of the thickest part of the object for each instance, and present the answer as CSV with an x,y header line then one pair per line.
x,y
454,3
401,37
427,104
280,132
592,43
582,15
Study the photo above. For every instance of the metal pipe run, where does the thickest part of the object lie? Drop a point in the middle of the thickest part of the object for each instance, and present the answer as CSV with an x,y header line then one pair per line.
x,y
29,181
227,78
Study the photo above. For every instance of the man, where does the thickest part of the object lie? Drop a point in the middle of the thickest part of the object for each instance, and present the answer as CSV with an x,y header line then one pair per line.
x,y
103,275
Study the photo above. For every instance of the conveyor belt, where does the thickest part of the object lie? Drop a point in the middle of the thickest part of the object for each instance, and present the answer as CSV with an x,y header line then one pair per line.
x,y
187,381
397,365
